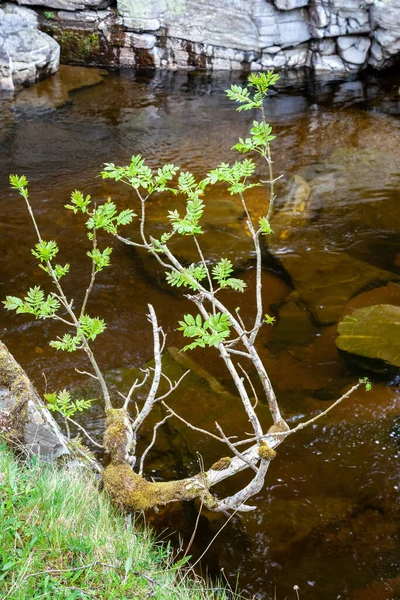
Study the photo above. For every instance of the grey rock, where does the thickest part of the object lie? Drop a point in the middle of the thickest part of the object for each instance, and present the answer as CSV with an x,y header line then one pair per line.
x,y
6,82
67,4
31,53
232,24
329,64
331,18
385,21
354,49
38,431
290,4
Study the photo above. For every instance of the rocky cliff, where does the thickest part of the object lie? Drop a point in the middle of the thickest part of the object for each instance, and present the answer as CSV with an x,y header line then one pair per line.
x,y
324,35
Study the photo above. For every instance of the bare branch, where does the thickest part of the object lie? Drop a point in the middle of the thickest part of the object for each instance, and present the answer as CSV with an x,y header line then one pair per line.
x,y
320,415
85,432
250,384
134,387
92,275
233,449
86,373
190,424
149,447
150,400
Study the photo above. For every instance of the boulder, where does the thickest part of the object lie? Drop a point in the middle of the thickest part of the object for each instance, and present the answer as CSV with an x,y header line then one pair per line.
x,y
385,21
29,54
372,332
332,18
306,245
23,416
354,49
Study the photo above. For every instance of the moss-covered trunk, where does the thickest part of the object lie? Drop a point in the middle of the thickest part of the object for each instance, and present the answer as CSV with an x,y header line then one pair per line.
x,y
133,491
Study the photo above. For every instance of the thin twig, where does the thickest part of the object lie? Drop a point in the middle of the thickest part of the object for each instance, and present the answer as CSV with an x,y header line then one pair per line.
x,y
190,424
86,373
194,531
149,447
250,384
233,449
85,432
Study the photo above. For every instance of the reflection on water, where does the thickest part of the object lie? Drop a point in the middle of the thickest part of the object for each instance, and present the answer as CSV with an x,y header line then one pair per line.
x,y
328,518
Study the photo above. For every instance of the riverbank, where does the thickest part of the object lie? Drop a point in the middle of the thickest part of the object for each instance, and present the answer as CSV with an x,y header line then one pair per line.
x,y
62,539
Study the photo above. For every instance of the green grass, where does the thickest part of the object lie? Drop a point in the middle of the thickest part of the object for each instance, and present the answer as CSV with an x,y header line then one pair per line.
x,y
62,539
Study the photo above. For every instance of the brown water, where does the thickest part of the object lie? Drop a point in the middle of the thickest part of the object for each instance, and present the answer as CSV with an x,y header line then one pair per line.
x,y
328,518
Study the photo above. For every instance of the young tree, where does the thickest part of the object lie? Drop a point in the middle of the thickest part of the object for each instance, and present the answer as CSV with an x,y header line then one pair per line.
x,y
212,324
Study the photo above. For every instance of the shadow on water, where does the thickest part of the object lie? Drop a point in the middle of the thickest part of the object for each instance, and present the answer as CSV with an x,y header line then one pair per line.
x,y
328,517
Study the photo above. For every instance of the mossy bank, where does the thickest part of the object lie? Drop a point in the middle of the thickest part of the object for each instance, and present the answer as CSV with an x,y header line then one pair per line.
x,y
62,539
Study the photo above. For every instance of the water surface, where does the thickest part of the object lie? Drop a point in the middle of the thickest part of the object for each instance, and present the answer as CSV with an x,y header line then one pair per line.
x,y
328,517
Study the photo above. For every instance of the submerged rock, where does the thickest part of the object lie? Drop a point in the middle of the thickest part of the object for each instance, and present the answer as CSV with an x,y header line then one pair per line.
x,y
313,226
225,235
372,332
55,92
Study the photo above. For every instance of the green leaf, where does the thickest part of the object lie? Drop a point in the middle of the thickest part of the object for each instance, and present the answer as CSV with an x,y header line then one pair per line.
x,y
189,277
34,303
91,327
236,175
189,224
212,332
265,226
78,202
61,402
67,343
20,184
45,251
100,258
60,271
13,303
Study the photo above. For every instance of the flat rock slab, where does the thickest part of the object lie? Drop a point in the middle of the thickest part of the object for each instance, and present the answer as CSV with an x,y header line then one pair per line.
x,y
372,332
55,92
40,433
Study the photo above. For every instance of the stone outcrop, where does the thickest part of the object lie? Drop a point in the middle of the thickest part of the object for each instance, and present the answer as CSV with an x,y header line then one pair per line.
x,y
385,21
341,36
26,54
23,418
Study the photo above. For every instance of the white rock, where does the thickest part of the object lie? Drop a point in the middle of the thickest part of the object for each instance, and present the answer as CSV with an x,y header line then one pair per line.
x,y
328,64
135,40
385,20
354,49
6,82
290,4
67,4
31,53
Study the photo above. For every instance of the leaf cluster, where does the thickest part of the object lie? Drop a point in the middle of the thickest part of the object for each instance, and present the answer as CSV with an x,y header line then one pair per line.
x,y
45,252
222,274
89,328
138,175
235,175
188,277
62,403
211,332
261,136
261,82
34,303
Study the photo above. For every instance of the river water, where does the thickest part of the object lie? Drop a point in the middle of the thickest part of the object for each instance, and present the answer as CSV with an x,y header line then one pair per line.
x,y
328,518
